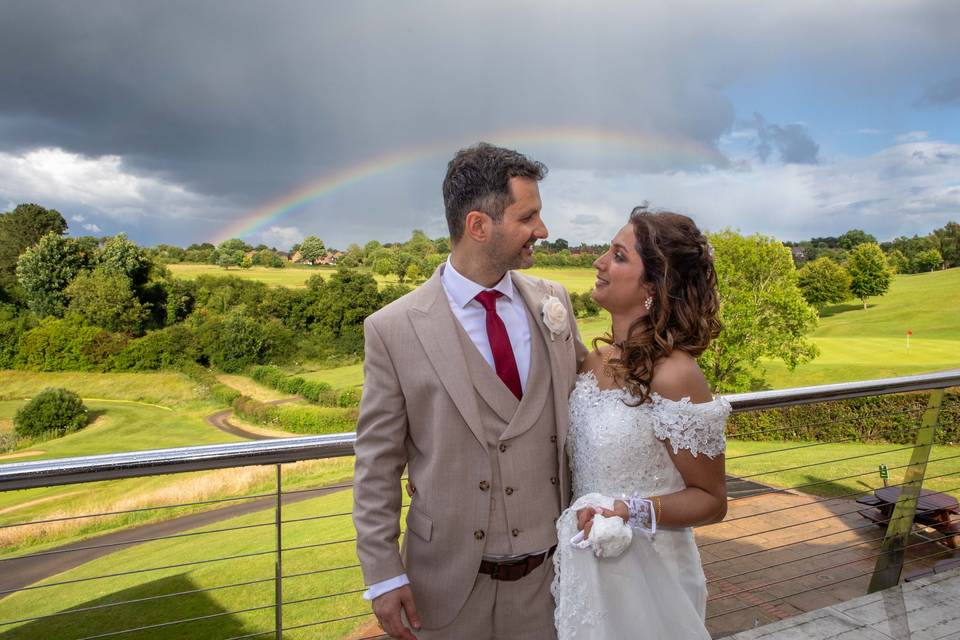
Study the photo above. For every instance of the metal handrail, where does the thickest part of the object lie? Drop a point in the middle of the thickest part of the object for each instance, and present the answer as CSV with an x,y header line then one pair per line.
x,y
47,473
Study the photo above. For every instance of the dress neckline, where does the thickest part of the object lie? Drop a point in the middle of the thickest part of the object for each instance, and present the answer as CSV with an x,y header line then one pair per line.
x,y
655,398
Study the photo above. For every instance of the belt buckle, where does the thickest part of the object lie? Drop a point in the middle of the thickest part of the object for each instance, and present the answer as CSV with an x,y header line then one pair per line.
x,y
495,571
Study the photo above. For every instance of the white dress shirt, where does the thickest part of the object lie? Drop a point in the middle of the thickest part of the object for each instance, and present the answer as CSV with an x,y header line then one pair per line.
x,y
461,293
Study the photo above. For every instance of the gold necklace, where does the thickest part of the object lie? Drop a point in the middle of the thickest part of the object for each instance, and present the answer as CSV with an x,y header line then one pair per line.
x,y
607,369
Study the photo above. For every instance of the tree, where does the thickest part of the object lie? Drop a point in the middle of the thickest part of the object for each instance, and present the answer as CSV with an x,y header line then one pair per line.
x,y
823,282
384,266
401,261
344,302
20,229
312,249
928,260
949,241
854,238
106,299
898,262
413,273
353,257
45,269
122,257
870,273
762,310
369,249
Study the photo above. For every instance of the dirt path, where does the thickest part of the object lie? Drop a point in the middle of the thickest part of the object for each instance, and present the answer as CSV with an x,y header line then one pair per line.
x,y
221,421
17,573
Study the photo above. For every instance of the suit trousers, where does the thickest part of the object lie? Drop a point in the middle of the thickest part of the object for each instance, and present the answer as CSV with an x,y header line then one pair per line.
x,y
499,610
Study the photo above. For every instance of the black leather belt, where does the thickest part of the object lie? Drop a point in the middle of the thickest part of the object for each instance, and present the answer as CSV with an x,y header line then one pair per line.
x,y
514,569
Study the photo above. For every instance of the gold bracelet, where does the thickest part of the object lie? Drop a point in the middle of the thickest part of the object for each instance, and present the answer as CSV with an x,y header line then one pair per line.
x,y
657,507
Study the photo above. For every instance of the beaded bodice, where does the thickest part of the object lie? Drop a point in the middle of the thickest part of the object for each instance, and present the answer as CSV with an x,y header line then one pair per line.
x,y
616,449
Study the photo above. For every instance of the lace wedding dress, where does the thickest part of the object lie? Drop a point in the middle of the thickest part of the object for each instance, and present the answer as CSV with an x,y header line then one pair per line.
x,y
656,588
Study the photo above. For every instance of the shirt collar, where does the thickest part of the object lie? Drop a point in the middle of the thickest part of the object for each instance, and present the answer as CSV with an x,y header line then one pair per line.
x,y
463,290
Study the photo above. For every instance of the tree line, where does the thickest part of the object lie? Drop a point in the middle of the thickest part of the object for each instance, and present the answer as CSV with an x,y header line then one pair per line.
x,y
108,304
939,249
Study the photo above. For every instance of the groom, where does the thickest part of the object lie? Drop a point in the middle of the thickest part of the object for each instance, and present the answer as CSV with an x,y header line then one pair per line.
x,y
466,385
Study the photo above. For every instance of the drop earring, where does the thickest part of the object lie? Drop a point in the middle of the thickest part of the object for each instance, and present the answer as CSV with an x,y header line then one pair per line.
x,y
648,303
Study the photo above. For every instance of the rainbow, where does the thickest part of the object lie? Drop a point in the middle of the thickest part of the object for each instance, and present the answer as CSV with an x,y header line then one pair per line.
x,y
673,150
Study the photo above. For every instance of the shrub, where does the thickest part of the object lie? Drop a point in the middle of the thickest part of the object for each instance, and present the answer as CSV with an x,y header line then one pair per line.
x,y
166,348
291,384
68,345
235,341
320,393
349,398
53,412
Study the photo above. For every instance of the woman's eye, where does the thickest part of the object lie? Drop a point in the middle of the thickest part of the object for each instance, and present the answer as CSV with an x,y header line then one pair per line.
x,y
618,257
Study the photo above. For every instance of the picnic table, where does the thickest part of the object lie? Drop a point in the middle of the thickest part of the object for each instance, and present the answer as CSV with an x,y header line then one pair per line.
x,y
934,509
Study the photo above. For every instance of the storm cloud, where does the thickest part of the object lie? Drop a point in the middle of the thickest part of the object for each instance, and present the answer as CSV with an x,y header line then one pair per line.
x,y
149,112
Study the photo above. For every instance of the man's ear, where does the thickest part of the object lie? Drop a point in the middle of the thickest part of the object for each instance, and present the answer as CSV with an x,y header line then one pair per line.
x,y
477,226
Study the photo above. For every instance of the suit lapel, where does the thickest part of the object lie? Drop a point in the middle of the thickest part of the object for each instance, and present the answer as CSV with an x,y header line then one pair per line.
x,y
436,327
561,372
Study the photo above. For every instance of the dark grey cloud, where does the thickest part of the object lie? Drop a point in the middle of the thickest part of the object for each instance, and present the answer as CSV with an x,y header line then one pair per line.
x,y
791,142
239,101
941,94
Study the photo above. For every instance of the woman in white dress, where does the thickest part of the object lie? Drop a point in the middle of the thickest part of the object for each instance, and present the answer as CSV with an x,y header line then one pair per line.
x,y
646,443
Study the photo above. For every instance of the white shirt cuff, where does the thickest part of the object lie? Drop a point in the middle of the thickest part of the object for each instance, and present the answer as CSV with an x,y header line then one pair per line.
x,y
380,588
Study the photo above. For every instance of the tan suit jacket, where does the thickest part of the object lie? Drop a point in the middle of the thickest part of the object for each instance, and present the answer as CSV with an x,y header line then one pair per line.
x,y
420,410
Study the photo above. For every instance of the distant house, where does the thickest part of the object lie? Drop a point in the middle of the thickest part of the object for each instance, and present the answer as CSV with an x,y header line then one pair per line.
x,y
798,254
331,258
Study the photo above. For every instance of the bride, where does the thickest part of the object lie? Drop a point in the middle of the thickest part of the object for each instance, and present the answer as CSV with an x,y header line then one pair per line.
x,y
646,443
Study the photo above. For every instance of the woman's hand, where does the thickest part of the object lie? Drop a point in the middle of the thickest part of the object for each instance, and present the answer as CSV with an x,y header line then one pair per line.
x,y
585,516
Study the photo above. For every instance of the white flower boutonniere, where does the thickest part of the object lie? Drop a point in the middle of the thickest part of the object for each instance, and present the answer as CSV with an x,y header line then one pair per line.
x,y
554,316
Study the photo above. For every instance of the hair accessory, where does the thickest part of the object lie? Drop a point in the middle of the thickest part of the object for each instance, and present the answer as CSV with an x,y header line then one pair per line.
x,y
648,303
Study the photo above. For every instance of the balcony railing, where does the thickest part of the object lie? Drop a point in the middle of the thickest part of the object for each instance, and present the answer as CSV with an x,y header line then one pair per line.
x,y
278,559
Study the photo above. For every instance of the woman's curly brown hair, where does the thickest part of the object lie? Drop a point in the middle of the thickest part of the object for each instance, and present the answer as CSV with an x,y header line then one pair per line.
x,y
678,265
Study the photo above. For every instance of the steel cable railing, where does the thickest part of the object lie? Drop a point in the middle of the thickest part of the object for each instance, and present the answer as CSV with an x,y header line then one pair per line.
x,y
316,579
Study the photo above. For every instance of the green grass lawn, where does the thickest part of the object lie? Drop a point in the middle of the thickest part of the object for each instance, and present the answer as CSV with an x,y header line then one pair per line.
x,y
858,344
823,464
167,389
290,276
575,279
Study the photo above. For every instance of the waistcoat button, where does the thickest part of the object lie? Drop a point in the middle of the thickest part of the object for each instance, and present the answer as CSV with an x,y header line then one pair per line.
x,y
554,480
553,438
484,485
509,491
478,534
515,532
502,447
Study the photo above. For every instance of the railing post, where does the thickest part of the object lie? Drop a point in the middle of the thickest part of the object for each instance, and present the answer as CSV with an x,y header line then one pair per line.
x,y
278,572
889,565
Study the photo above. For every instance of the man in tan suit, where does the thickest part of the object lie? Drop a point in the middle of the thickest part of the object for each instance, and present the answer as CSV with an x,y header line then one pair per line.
x,y
466,386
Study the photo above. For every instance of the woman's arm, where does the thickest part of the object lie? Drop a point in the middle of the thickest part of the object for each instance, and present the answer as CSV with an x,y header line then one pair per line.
x,y
704,500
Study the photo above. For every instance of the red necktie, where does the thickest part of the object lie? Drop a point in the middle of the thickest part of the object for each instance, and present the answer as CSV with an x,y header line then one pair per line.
x,y
503,360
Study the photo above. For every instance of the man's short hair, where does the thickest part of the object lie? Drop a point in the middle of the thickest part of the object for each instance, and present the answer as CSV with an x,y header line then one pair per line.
x,y
478,179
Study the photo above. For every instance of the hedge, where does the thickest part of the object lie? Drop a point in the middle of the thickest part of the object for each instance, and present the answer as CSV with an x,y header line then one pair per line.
x,y
317,392
887,418
296,419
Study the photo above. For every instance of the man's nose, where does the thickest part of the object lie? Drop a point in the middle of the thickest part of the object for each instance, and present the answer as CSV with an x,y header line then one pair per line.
x,y
541,231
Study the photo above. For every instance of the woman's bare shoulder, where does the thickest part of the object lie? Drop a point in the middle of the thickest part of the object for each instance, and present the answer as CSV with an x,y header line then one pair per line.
x,y
679,376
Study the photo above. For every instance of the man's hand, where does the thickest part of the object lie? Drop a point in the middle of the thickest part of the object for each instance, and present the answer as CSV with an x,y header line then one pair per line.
x,y
387,609
585,516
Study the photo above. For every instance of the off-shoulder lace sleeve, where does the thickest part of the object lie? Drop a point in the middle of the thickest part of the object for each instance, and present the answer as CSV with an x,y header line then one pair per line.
x,y
698,428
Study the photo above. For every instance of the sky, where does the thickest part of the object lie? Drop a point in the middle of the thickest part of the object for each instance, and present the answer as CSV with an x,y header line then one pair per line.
x,y
187,121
